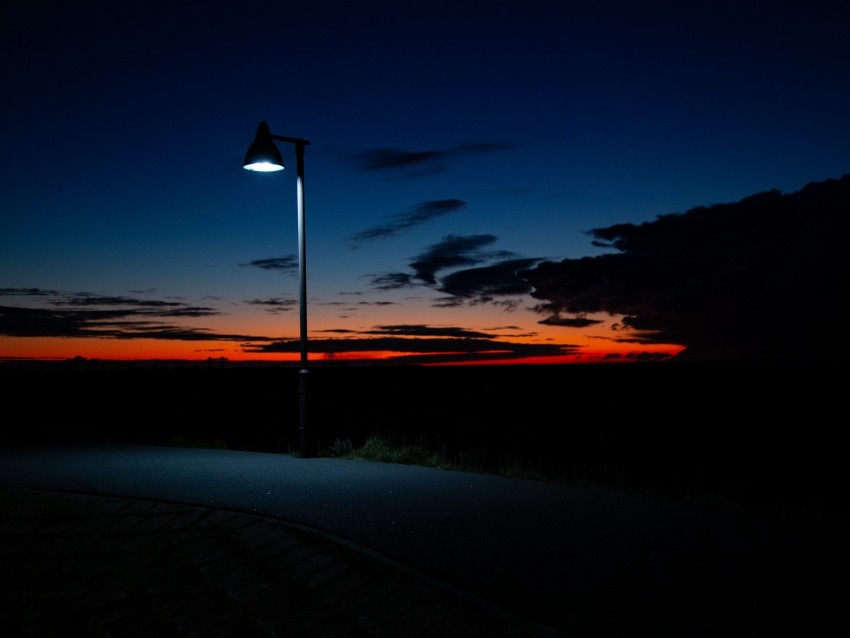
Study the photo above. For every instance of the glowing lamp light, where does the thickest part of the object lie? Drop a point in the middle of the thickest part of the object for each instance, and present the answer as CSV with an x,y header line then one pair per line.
x,y
263,155
263,167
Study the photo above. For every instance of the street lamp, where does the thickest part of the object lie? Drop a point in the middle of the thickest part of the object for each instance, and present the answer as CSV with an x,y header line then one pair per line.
x,y
263,156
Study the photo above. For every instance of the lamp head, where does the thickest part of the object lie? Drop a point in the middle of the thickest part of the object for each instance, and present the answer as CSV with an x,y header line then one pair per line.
x,y
263,155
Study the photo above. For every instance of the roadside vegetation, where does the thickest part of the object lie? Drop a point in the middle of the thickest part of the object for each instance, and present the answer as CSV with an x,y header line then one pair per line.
x,y
384,449
380,448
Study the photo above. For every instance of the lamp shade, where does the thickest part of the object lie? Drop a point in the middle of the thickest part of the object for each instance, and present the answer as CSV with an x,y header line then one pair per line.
x,y
263,154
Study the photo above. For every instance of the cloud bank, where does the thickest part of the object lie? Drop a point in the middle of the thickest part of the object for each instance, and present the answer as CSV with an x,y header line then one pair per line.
x,y
765,278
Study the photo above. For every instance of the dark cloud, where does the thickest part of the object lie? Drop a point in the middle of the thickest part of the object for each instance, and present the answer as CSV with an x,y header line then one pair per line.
x,y
421,213
105,324
392,281
451,252
274,305
185,311
107,317
765,278
497,283
288,263
422,330
26,292
485,283
87,299
417,350
421,163
579,321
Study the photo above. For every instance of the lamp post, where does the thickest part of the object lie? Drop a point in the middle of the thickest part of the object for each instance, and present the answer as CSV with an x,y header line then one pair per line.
x,y
263,156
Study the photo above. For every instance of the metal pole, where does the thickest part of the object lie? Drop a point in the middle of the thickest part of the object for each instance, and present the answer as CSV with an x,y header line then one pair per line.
x,y
305,439
265,152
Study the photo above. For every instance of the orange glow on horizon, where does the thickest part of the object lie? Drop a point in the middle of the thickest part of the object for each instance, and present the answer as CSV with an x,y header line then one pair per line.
x,y
615,355
60,349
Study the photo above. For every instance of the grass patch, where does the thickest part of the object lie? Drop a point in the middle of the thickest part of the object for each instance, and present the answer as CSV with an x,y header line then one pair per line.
x,y
386,449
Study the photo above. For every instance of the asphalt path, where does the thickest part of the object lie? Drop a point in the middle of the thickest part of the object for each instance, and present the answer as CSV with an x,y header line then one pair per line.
x,y
588,562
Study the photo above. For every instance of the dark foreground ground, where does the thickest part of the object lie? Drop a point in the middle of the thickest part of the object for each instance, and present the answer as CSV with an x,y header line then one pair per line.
x,y
764,435
198,542
86,565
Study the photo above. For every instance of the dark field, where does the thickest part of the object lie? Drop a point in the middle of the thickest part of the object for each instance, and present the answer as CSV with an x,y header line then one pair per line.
x,y
762,435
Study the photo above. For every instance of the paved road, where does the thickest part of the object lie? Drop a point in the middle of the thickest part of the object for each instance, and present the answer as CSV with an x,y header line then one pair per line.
x,y
585,562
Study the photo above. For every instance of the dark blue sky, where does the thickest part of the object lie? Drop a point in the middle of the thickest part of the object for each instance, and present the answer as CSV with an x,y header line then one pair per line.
x,y
453,145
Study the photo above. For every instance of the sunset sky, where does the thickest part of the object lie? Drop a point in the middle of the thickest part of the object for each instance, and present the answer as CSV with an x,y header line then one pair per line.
x,y
456,149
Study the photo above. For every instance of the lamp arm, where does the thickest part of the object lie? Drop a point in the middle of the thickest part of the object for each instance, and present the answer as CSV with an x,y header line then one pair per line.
x,y
294,140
